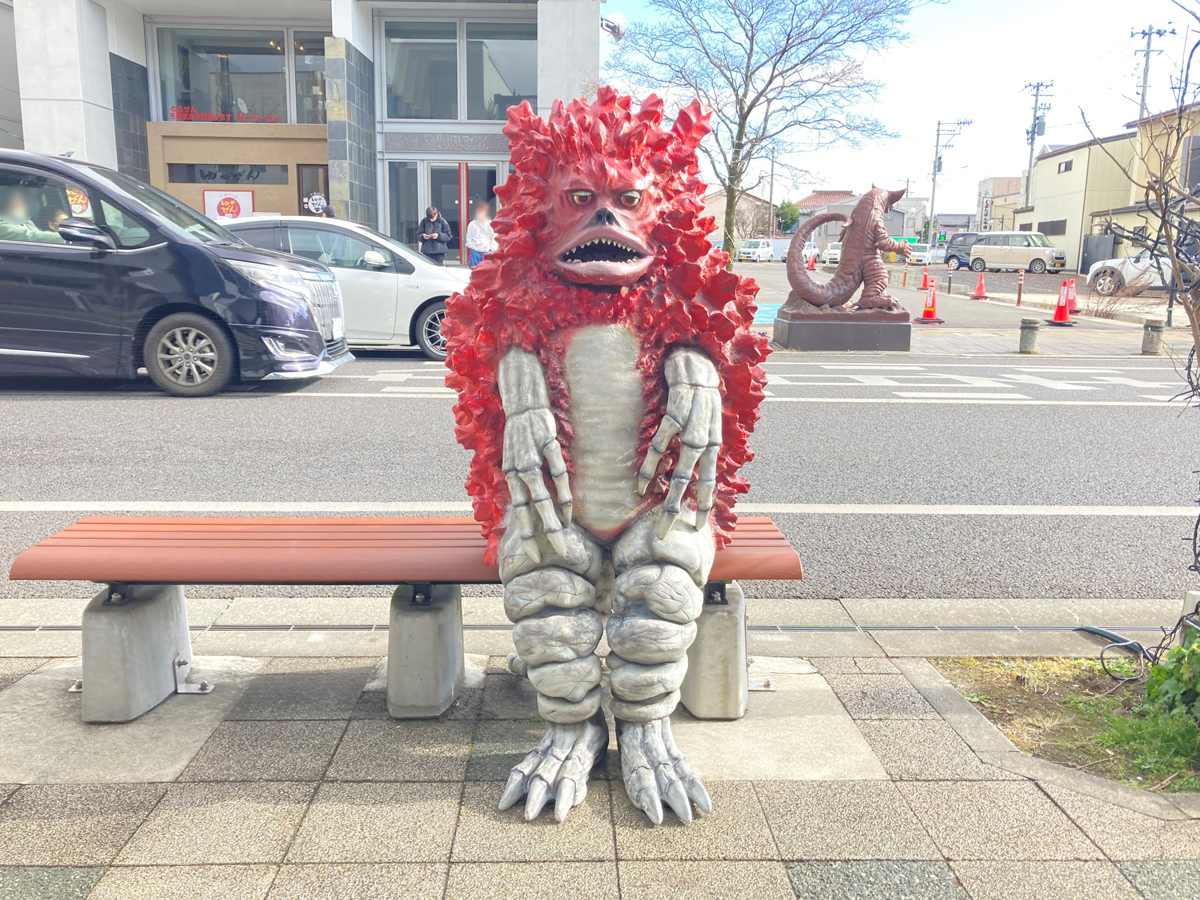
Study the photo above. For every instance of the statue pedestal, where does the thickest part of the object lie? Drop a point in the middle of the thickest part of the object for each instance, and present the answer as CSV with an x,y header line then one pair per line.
x,y
839,329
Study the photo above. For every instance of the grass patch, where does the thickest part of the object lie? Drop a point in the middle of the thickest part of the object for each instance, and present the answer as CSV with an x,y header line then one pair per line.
x,y
1069,712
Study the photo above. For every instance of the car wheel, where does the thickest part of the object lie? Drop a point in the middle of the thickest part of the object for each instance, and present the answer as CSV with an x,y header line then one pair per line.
x,y
429,331
1107,282
188,355
1038,266
978,265
954,263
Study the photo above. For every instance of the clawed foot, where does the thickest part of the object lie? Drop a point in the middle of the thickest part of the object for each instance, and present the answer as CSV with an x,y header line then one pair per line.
x,y
557,769
654,770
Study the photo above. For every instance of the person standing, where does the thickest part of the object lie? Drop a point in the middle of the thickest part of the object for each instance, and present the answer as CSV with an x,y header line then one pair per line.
x,y
481,240
434,231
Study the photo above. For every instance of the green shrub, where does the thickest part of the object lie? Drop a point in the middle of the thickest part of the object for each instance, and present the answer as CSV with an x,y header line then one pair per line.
x,y
1174,684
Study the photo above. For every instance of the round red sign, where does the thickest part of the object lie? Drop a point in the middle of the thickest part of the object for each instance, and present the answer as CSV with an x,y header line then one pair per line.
x,y
229,207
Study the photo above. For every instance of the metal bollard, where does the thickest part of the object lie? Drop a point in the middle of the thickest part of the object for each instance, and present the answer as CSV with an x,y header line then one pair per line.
x,y
1152,335
1020,285
1029,336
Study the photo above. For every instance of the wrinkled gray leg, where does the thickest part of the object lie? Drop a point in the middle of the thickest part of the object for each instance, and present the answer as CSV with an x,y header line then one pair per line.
x,y
551,601
656,599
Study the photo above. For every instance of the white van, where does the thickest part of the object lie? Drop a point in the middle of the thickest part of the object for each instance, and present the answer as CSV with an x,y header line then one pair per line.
x,y
756,251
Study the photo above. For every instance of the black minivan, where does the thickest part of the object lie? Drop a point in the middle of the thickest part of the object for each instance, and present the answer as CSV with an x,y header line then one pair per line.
x,y
958,249
102,275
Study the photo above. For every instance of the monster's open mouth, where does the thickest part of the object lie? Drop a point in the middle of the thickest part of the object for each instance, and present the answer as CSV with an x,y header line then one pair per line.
x,y
601,250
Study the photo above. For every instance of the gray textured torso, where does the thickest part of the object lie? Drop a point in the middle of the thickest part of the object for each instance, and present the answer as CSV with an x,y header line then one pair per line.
x,y
606,413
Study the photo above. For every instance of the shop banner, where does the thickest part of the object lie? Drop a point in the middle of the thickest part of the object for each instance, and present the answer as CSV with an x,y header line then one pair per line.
x,y
228,204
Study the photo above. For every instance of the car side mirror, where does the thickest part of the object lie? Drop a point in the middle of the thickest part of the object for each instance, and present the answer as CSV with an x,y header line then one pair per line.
x,y
84,231
374,259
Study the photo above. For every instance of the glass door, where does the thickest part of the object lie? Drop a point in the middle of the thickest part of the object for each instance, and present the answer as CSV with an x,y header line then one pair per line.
x,y
453,187
314,188
444,190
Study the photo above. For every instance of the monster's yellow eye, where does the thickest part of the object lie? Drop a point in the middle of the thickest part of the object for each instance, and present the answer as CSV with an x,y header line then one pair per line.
x,y
630,199
581,198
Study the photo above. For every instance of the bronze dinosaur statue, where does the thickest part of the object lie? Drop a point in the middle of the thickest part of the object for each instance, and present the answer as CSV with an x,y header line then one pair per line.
x,y
863,239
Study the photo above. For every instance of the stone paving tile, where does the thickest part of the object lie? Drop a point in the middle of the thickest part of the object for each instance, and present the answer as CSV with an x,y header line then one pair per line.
x,y
995,820
378,822
533,881
736,828
880,697
500,745
695,880
509,697
72,824
304,688
412,881
1124,834
485,834
1009,880
19,666
843,820
203,882
926,750
1176,880
201,823
265,751
6,791
392,750
42,883
874,880
854,665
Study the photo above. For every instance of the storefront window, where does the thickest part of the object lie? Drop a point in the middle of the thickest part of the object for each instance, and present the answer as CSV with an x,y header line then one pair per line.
x,y
310,77
501,67
222,173
223,76
405,214
422,70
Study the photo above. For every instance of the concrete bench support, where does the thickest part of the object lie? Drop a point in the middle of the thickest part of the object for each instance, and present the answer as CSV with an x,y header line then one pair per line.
x,y
425,650
717,684
136,650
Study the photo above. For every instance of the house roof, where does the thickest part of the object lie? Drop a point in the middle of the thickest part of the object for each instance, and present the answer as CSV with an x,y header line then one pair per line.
x,y
1165,114
743,195
821,199
1056,149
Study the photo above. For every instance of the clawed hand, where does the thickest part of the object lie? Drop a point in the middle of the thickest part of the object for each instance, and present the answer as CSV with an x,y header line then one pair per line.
x,y
693,413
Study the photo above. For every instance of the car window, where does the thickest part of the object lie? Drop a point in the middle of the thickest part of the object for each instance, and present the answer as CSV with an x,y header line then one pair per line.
x,y
835,246
262,236
32,205
127,230
1038,240
1018,240
333,248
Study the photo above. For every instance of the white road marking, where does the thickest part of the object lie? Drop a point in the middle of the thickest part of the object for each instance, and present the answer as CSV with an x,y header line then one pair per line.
x,y
864,366
1133,382
463,506
1048,383
959,395
407,392
984,399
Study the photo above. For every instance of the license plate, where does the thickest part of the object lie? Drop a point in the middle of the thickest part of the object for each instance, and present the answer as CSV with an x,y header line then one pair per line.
x,y
339,328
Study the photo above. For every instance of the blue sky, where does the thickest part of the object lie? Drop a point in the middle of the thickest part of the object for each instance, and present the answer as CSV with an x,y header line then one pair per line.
x,y
970,59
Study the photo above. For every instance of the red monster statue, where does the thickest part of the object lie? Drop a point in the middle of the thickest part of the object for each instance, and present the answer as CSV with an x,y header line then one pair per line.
x,y
608,382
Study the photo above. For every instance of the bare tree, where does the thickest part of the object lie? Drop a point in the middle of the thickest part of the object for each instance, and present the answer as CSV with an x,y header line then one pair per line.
x,y
775,73
752,220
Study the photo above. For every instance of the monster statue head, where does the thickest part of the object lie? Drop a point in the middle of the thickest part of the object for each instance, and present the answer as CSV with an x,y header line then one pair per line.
x,y
599,186
887,199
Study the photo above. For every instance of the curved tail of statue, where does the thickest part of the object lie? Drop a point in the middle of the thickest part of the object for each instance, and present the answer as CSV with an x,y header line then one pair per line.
x,y
833,293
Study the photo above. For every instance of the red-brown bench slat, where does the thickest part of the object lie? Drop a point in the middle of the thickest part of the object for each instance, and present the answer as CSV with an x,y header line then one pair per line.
x,y
184,550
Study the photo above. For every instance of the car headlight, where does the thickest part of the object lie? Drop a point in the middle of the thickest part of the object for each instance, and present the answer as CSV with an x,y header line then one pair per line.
x,y
277,278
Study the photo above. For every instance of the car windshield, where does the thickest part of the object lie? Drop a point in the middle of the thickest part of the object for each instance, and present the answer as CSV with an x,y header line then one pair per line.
x,y
164,206
921,248
835,246
1038,240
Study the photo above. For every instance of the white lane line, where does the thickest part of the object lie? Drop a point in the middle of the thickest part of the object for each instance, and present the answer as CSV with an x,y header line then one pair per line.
x,y
948,395
865,366
426,393
985,400
183,506
462,506
956,509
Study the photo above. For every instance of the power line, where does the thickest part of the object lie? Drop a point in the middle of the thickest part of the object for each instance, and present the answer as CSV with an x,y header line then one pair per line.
x,y
1038,128
949,131
1149,33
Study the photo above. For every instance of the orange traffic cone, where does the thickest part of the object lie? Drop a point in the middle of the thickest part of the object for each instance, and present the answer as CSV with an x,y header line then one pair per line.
x,y
980,292
929,315
1062,313
925,280
1072,302
812,262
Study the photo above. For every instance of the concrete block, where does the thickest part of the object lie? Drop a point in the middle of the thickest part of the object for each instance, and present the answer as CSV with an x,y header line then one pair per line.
x,y
130,649
838,336
425,650
717,685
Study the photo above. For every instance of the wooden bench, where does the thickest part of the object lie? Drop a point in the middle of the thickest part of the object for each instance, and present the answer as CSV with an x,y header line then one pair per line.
x,y
137,646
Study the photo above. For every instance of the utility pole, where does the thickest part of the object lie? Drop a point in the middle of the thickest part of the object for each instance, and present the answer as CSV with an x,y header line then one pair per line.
x,y
948,131
1036,129
1149,33
771,196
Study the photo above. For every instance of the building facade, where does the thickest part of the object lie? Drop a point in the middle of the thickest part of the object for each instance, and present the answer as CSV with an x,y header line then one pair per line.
x,y
997,202
379,107
11,137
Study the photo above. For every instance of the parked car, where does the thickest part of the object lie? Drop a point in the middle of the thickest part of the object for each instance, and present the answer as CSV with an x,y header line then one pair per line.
x,y
392,294
810,251
958,249
833,254
919,255
1011,250
101,275
1133,274
756,251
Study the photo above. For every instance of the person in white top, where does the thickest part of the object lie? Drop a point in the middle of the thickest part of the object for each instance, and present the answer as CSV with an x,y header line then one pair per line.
x,y
481,240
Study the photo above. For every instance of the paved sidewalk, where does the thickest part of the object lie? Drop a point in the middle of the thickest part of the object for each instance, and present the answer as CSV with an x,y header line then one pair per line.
x,y
859,776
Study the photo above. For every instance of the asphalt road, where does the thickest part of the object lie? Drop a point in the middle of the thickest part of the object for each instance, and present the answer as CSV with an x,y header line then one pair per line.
x,y
879,432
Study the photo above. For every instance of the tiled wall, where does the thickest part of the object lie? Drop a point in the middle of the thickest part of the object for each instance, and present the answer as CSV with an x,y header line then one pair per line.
x,y
350,110
131,110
